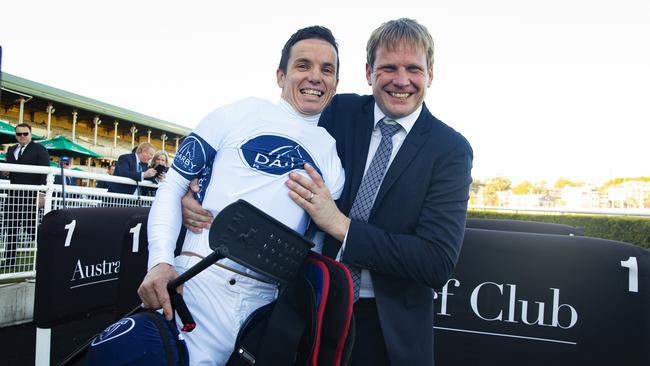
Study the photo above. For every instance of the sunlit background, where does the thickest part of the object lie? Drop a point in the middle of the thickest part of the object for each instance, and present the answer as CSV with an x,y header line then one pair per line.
x,y
542,89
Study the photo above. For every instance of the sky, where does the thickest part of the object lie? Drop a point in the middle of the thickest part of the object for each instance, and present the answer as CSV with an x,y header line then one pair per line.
x,y
541,89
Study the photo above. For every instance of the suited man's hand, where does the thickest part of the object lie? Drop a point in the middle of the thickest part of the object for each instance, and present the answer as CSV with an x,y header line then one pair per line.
x,y
195,217
151,172
314,197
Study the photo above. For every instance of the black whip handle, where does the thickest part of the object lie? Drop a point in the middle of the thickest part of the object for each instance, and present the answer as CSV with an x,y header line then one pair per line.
x,y
176,299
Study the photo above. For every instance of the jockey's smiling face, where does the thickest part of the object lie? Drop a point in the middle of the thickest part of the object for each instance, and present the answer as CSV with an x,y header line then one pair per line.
x,y
311,78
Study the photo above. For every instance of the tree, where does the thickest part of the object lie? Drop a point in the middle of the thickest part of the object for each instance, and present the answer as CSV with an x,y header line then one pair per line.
x,y
498,184
527,187
492,186
524,187
617,181
565,182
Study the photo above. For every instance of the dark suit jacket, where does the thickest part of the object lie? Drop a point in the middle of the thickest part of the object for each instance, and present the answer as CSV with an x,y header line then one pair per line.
x,y
127,167
34,154
415,230
69,180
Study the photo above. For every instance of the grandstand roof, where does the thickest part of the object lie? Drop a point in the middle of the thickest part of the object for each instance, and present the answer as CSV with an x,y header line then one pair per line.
x,y
17,84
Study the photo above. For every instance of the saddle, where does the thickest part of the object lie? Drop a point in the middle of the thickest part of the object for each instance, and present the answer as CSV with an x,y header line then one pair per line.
x,y
310,321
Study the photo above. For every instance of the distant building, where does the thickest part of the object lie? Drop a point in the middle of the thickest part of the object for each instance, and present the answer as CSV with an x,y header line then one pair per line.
x,y
585,196
525,200
549,200
503,198
629,194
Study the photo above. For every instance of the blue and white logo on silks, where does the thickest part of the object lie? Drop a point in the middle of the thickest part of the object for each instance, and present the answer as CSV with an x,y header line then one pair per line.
x,y
275,154
114,330
192,156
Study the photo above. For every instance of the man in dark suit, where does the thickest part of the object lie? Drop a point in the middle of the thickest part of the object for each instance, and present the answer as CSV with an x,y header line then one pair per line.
x,y
399,226
20,207
134,165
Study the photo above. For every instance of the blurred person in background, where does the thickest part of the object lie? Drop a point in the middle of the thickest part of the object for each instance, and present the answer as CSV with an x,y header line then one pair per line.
x,y
20,205
66,163
110,170
134,165
159,162
27,152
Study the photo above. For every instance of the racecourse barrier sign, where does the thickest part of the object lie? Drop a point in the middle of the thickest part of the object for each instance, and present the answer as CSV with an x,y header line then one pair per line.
x,y
538,299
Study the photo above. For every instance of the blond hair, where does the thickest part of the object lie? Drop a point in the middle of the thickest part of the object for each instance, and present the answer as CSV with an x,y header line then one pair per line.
x,y
158,154
394,32
144,146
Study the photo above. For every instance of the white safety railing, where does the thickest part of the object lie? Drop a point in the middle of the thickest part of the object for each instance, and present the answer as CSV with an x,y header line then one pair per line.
x,y
22,208
641,212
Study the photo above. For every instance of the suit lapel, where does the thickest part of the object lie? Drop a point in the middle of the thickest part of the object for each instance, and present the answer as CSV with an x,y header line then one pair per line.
x,y
10,157
361,150
407,152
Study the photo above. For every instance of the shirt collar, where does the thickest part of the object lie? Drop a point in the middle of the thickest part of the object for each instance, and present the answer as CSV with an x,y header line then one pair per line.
x,y
289,109
406,122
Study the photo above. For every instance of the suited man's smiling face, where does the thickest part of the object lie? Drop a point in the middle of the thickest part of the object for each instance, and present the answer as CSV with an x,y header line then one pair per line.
x,y
399,78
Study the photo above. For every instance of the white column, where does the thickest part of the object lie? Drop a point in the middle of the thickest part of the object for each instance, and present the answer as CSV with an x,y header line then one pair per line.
x,y
149,136
50,109
133,131
115,135
74,125
22,110
96,122
164,138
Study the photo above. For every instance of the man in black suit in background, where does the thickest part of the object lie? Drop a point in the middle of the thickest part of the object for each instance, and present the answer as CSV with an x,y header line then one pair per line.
x,y
134,165
20,208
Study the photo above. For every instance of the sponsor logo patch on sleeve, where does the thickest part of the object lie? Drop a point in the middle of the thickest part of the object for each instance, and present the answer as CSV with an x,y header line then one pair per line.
x,y
193,156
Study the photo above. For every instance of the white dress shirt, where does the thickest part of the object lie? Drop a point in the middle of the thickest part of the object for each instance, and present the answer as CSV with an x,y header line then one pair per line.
x,y
366,290
18,152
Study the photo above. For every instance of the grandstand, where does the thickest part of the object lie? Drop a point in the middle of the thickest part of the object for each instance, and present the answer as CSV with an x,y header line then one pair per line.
x,y
105,129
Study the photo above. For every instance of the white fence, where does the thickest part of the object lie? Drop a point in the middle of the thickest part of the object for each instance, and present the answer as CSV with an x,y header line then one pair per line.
x,y
641,212
22,208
